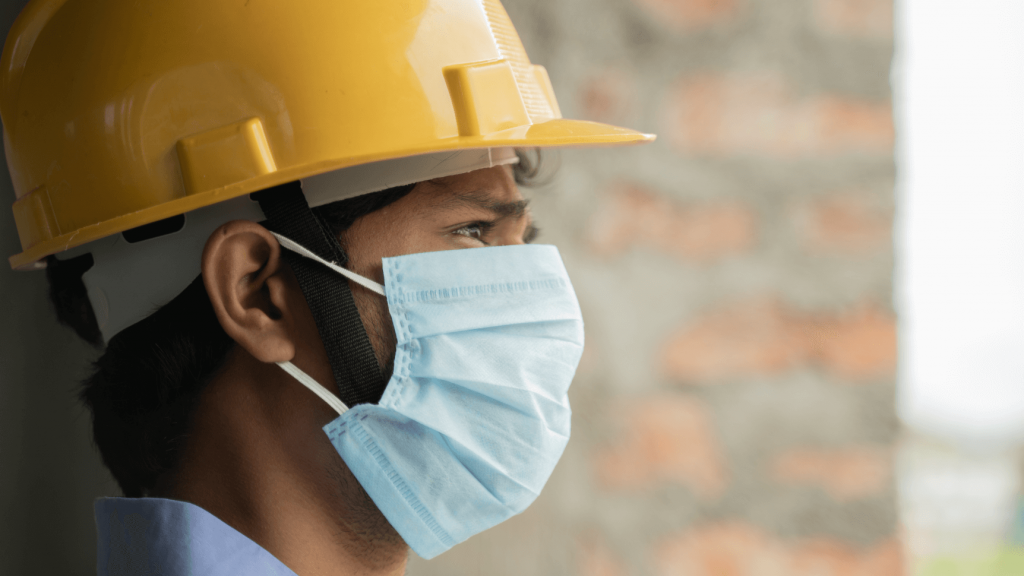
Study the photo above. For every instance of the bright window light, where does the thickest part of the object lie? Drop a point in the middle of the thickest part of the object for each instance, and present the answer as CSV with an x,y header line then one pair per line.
x,y
959,83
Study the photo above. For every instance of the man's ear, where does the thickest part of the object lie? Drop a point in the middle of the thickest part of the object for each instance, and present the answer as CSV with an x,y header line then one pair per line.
x,y
250,289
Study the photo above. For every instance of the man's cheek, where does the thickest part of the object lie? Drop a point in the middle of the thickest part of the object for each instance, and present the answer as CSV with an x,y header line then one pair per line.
x,y
376,318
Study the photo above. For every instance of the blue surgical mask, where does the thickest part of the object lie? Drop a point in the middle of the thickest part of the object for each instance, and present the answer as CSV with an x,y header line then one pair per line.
x,y
476,413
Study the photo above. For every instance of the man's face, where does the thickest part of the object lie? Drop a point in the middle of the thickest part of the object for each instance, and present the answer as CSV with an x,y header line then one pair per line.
x,y
481,208
259,303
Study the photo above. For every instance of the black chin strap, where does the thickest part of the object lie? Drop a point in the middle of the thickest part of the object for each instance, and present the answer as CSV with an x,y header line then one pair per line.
x,y
358,376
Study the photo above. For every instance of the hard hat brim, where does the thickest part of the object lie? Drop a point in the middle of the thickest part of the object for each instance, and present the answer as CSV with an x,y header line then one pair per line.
x,y
553,133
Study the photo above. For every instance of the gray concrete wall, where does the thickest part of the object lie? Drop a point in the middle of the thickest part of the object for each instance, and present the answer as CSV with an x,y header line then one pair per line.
x,y
734,410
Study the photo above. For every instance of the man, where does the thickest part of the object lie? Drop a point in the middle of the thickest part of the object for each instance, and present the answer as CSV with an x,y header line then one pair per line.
x,y
216,187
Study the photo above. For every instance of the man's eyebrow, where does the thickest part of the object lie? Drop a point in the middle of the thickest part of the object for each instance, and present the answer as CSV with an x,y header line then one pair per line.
x,y
481,199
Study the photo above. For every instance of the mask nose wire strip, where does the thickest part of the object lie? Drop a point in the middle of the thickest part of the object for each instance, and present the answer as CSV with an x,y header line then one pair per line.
x,y
361,280
308,381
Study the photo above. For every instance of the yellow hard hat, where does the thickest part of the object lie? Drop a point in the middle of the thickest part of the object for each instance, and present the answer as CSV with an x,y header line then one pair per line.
x,y
120,113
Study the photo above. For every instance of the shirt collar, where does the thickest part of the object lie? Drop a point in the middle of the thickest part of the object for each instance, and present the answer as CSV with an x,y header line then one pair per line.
x,y
150,536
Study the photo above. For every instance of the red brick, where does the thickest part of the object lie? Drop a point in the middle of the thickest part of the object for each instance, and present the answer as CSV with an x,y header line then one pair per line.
x,y
860,344
633,217
739,549
691,14
845,474
846,223
609,97
758,114
867,18
763,337
752,337
852,124
667,438
733,549
823,557
593,558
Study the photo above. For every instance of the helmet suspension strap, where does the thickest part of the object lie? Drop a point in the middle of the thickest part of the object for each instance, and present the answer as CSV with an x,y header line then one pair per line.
x,y
356,372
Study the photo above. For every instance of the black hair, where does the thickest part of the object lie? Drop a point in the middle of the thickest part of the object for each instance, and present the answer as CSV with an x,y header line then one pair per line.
x,y
145,385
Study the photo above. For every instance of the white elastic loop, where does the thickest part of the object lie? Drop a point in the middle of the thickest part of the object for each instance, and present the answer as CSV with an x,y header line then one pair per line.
x,y
307,381
298,249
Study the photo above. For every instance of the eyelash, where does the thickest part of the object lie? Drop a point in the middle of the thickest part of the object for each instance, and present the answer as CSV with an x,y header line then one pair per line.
x,y
484,227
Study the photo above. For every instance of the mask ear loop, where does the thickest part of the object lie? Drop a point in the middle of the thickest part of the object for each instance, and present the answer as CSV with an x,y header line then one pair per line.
x,y
301,250
308,381
293,370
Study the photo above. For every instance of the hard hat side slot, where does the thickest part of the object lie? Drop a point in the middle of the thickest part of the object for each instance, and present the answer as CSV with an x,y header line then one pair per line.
x,y
35,219
224,156
485,97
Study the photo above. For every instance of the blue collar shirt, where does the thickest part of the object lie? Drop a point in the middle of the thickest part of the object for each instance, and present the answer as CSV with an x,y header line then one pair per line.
x,y
159,537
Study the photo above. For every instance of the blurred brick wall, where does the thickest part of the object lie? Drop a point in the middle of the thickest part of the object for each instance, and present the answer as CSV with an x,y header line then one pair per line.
x,y
733,413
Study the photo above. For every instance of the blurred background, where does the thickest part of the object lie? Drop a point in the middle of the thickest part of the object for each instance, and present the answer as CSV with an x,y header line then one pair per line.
x,y
742,407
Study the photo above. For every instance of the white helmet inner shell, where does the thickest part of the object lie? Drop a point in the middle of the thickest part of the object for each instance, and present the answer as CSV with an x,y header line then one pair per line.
x,y
129,281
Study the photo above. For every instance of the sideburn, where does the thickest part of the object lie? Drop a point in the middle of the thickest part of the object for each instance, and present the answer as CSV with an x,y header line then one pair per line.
x,y
376,318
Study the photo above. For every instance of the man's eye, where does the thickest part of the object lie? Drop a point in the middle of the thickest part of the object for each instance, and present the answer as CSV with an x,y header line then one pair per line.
x,y
475,230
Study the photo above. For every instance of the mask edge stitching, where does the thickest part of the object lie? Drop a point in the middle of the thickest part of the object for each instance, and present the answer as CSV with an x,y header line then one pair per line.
x,y
399,483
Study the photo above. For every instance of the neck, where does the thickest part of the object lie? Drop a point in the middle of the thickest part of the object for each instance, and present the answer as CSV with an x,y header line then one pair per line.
x,y
256,458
